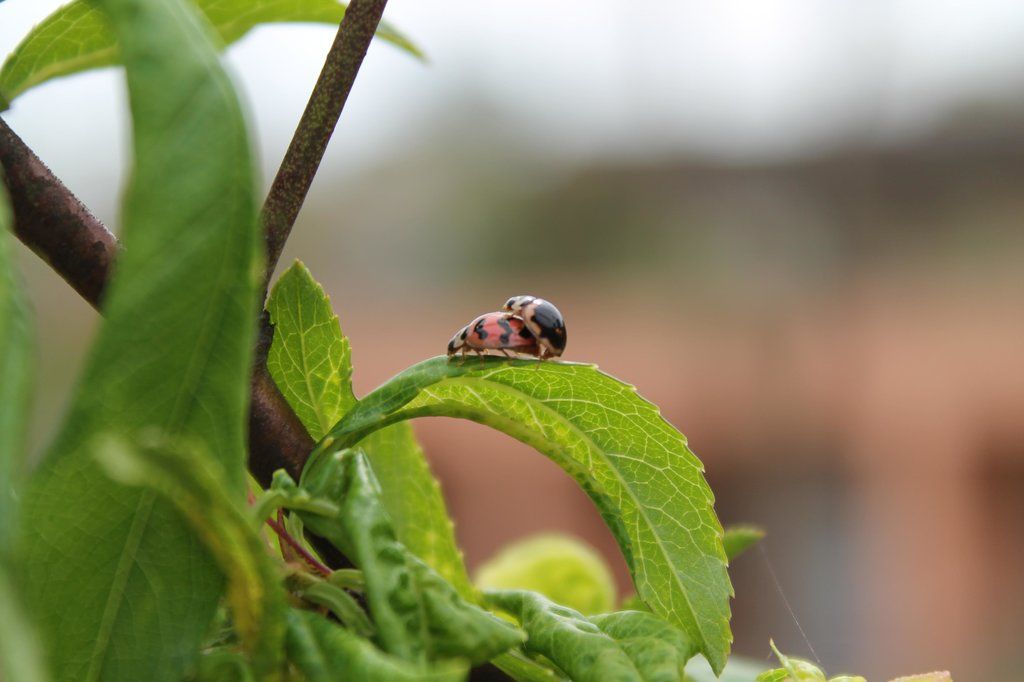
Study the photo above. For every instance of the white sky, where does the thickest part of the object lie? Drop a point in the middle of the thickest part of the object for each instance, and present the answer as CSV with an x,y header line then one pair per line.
x,y
737,79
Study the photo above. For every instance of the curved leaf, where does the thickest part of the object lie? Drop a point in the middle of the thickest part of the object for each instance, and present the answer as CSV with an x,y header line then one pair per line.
x,y
419,616
121,585
311,364
576,645
647,484
324,652
77,37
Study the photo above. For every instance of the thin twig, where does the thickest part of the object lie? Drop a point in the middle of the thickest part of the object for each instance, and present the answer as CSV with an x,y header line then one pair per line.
x,y
301,161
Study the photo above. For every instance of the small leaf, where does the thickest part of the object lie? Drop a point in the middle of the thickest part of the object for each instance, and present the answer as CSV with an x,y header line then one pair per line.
x,y
777,675
576,645
335,599
309,359
792,670
77,37
191,480
560,567
311,364
645,481
739,539
419,616
324,652
121,586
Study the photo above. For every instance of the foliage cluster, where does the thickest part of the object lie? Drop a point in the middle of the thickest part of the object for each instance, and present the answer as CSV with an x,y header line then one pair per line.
x,y
140,549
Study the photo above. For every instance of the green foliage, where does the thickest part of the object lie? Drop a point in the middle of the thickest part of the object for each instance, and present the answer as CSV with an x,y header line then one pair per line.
x,y
192,480
627,645
324,652
120,585
560,567
136,516
739,539
310,362
419,616
78,37
647,484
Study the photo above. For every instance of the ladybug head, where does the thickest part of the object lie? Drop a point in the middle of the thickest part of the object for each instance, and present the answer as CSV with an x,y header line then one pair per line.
x,y
517,303
458,341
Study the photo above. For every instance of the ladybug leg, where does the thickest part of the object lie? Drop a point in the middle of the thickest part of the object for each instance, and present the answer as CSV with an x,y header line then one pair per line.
x,y
505,353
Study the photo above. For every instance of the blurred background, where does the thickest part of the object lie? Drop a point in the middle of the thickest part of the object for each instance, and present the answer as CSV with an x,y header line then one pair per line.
x,y
796,226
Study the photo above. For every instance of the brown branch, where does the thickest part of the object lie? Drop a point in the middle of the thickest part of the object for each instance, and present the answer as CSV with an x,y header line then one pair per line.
x,y
51,221
316,126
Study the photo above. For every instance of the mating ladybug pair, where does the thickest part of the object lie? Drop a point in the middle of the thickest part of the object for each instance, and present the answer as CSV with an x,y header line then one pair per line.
x,y
527,326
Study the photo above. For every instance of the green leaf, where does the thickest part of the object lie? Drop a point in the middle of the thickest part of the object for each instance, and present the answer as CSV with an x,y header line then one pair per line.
x,y
560,567
324,652
419,616
739,539
193,481
647,484
15,376
77,37
658,650
573,643
122,587
309,359
311,364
